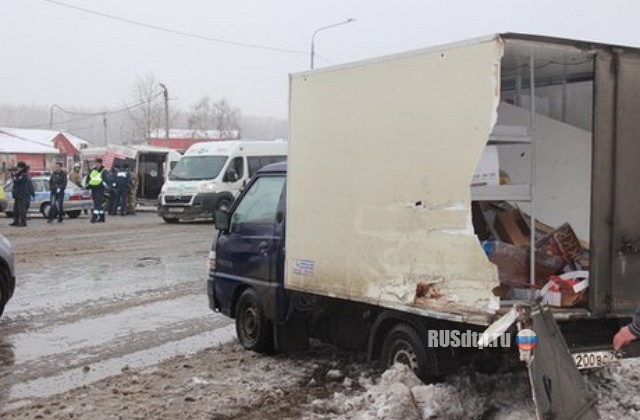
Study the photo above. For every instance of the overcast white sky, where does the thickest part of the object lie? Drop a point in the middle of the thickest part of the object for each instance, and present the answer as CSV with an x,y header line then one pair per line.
x,y
55,54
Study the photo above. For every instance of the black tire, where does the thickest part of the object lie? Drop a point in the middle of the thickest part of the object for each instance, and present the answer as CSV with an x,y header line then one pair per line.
x,y
252,327
74,214
4,293
403,345
9,213
45,208
170,220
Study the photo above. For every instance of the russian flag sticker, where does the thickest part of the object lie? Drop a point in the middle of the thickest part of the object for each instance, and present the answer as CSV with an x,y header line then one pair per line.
x,y
526,339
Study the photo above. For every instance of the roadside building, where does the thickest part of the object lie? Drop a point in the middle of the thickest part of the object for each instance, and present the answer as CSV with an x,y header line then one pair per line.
x,y
68,145
181,139
14,149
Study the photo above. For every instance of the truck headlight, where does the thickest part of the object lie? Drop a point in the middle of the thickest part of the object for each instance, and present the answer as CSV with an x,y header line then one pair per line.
x,y
212,260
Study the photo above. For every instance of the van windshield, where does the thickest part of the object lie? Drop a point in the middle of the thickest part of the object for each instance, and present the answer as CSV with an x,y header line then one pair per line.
x,y
196,168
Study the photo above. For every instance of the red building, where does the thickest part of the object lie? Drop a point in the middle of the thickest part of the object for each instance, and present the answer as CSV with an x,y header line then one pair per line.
x,y
182,139
40,148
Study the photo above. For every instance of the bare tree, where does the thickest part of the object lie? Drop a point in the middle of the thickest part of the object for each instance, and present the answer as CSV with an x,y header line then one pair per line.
x,y
199,118
146,113
226,118
207,114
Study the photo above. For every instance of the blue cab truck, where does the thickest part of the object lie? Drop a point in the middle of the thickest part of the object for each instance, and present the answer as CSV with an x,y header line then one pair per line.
x,y
366,237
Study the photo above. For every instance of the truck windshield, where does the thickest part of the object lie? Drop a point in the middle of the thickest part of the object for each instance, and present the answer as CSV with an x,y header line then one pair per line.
x,y
195,168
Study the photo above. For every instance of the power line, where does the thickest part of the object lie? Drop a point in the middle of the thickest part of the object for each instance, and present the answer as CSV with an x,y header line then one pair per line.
x,y
46,125
115,111
84,115
175,31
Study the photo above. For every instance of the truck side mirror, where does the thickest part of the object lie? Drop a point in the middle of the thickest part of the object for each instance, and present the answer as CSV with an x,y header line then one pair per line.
x,y
222,220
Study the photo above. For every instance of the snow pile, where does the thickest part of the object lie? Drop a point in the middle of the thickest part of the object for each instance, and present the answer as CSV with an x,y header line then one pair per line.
x,y
399,394
617,390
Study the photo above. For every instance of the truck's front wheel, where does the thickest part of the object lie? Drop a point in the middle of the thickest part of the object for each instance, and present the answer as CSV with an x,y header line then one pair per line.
x,y
252,327
403,345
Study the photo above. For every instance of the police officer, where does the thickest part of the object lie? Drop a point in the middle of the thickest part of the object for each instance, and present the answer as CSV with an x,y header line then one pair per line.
x,y
97,182
112,202
22,192
123,183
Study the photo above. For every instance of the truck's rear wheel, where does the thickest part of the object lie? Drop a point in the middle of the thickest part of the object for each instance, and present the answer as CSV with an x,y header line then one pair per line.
x,y
252,327
403,345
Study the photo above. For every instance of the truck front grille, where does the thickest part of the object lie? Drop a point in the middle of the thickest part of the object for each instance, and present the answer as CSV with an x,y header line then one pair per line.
x,y
177,199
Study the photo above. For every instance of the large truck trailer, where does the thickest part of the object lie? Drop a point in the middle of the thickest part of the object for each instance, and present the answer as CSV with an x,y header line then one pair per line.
x,y
369,237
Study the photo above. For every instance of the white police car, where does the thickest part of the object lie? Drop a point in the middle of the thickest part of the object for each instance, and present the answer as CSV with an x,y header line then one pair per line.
x,y
76,199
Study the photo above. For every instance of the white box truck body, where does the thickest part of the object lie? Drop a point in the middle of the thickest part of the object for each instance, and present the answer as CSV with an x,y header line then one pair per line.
x,y
367,237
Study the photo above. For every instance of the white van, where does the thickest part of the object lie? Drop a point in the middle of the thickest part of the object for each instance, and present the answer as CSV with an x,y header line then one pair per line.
x,y
210,175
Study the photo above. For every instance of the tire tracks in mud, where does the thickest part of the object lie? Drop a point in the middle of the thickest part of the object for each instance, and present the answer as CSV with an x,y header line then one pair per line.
x,y
117,348
35,320
93,297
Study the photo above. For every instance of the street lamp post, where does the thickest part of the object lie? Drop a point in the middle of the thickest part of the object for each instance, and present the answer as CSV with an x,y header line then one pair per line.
x,y
51,114
313,38
104,124
165,92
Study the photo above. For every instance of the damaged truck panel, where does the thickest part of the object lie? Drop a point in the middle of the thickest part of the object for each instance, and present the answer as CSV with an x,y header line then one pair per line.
x,y
400,221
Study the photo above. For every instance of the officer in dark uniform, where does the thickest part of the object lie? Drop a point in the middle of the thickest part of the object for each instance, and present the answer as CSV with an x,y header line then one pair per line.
x,y
112,201
123,183
22,192
97,181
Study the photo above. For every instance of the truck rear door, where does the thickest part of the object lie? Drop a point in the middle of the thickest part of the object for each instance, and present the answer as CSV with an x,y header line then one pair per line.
x,y
616,204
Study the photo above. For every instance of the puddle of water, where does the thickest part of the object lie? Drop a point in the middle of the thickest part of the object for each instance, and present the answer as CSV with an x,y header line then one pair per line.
x,y
55,287
21,394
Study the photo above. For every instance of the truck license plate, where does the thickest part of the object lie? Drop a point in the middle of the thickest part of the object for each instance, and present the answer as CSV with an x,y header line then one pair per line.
x,y
176,209
593,359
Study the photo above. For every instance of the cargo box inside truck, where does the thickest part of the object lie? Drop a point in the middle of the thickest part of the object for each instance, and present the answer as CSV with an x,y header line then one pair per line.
x,y
388,158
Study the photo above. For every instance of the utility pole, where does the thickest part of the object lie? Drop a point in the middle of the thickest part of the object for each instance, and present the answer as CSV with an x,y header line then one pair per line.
x,y
51,114
165,92
104,123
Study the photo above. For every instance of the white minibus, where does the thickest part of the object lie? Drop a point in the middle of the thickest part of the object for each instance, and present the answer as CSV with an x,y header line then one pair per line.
x,y
210,175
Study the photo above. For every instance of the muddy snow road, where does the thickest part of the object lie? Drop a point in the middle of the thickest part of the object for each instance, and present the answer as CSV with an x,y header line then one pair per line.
x,y
93,298
111,321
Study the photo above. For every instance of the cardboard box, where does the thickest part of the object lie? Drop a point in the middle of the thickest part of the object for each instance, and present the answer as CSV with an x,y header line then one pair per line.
x,y
562,242
488,170
566,290
512,228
